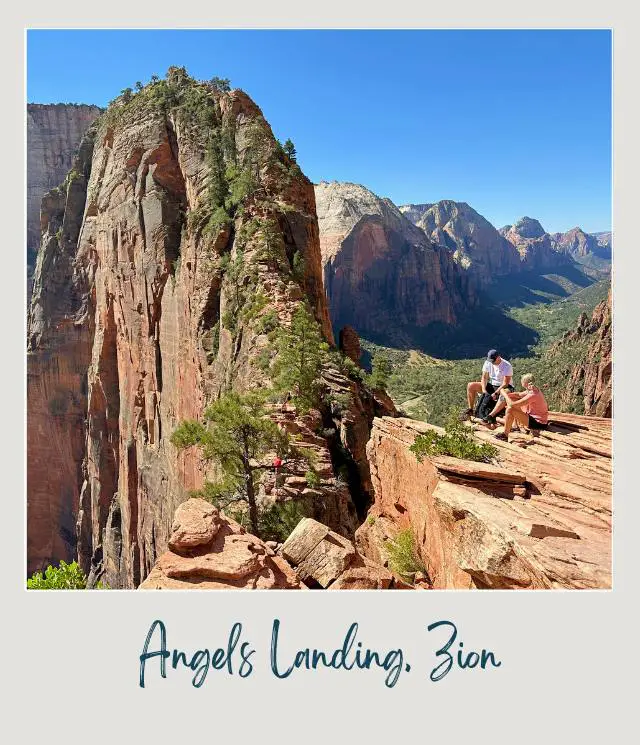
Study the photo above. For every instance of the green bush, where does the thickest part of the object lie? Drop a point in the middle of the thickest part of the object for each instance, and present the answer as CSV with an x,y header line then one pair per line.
x,y
313,480
458,442
404,559
64,577
278,520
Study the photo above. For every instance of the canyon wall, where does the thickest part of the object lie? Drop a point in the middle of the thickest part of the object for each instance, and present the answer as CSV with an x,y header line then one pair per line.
x,y
381,273
151,300
54,132
587,352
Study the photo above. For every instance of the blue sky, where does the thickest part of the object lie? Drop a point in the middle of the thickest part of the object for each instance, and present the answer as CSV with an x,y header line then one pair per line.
x,y
513,122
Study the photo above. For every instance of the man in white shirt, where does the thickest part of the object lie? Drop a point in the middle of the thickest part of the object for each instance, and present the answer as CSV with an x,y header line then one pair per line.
x,y
497,374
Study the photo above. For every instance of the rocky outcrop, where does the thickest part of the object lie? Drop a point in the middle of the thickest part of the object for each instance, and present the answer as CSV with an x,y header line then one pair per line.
x,y
149,301
349,343
54,132
209,551
472,240
381,273
539,516
587,353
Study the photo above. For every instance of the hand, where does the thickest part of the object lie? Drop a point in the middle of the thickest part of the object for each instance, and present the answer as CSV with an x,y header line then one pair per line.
x,y
494,396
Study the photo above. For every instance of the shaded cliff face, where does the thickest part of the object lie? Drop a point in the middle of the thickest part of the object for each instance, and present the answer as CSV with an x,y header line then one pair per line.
x,y
536,248
382,275
148,302
473,241
54,132
539,517
586,352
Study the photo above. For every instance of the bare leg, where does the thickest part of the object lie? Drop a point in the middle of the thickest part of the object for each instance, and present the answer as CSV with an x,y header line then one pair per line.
x,y
472,391
500,404
516,415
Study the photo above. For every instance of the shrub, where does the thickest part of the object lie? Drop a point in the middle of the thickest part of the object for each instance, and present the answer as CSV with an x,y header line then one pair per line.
x,y
64,577
458,442
404,559
313,480
278,520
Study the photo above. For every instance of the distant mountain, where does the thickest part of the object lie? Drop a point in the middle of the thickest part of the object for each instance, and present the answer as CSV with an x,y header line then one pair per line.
x,y
474,242
382,274
536,248
593,249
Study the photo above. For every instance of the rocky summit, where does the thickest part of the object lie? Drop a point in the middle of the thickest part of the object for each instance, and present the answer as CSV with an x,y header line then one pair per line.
x,y
181,238
381,273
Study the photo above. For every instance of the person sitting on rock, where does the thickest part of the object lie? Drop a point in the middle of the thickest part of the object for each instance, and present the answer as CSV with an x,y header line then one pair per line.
x,y
496,378
528,409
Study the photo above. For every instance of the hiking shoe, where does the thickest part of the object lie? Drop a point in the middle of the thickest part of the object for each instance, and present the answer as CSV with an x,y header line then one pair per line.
x,y
501,436
489,419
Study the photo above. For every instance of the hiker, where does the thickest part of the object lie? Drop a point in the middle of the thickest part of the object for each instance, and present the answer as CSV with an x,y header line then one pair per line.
x,y
277,465
528,409
496,379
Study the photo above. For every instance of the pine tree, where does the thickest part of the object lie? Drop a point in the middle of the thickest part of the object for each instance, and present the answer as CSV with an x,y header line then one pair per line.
x,y
237,435
380,372
290,150
301,352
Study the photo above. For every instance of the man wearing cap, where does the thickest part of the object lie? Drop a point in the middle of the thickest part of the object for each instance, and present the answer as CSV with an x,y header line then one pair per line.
x,y
496,377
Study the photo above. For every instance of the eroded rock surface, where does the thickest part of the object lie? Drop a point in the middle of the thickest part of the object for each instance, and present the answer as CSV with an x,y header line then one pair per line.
x,y
209,551
590,378
540,517
54,132
382,274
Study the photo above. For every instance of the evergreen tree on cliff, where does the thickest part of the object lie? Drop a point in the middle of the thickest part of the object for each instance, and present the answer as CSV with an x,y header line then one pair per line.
x,y
237,435
301,352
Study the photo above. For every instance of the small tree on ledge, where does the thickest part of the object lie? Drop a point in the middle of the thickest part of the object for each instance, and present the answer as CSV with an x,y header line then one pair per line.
x,y
290,150
237,435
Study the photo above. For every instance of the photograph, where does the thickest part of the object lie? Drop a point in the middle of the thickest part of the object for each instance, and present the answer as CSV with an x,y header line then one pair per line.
x,y
318,309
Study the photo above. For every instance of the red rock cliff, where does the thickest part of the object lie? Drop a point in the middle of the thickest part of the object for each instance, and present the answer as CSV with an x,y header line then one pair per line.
x,y
135,321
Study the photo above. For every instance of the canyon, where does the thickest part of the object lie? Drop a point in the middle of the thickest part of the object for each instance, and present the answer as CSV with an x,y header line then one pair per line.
x,y
177,242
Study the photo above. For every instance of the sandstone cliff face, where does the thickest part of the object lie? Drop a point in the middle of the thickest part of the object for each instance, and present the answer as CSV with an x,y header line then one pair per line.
x,y
536,248
590,378
54,132
137,320
473,241
382,276
540,517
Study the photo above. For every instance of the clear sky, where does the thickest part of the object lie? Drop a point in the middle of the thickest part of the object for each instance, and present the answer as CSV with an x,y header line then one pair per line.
x,y
513,122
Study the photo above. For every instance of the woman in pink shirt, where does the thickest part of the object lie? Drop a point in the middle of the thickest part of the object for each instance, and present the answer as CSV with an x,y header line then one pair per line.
x,y
528,408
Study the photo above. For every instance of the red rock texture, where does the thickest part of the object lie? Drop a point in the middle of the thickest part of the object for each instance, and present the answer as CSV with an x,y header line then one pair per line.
x,y
126,304
540,517
591,378
208,551
536,247
381,273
